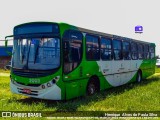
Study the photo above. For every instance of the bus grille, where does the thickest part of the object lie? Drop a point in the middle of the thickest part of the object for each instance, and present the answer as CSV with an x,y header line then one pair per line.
x,y
31,74
34,93
31,85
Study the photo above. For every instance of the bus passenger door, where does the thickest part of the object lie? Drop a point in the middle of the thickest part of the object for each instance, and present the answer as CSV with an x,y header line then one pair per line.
x,y
72,59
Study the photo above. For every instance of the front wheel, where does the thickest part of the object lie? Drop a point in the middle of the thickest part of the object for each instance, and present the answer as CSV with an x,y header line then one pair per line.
x,y
139,77
91,88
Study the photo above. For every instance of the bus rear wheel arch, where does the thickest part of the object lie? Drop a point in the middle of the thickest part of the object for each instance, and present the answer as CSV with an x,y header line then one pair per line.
x,y
93,85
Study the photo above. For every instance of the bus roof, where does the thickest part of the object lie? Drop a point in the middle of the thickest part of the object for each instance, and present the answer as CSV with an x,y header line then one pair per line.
x,y
41,22
89,31
106,34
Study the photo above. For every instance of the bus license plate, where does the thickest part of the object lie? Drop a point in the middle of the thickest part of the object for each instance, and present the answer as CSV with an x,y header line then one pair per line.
x,y
28,91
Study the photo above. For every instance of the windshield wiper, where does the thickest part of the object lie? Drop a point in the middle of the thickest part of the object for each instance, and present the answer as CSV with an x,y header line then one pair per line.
x,y
35,57
23,54
26,65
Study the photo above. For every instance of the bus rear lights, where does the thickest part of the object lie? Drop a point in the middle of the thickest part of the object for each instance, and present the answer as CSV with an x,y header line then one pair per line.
x,y
43,86
48,84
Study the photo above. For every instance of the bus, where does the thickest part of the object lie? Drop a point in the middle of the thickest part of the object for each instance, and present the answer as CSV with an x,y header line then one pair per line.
x,y
59,61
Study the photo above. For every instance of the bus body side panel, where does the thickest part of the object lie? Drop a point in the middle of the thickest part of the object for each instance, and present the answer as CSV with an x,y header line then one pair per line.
x,y
110,73
148,65
76,81
148,68
119,76
76,88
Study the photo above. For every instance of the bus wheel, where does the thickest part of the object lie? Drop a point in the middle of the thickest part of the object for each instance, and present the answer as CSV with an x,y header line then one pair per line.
x,y
139,77
91,88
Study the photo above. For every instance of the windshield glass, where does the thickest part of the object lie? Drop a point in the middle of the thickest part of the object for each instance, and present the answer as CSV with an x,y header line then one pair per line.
x,y
36,53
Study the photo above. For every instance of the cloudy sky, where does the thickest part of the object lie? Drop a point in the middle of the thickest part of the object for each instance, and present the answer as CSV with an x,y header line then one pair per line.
x,y
110,16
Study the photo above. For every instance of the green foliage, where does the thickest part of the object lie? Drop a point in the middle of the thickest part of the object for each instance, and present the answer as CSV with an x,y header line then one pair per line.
x,y
157,70
4,71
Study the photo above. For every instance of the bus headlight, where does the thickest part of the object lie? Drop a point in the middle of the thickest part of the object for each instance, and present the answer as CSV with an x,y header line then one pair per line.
x,y
53,81
48,84
43,86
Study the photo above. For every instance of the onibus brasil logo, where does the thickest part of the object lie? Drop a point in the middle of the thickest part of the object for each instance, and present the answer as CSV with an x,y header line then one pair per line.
x,y
138,29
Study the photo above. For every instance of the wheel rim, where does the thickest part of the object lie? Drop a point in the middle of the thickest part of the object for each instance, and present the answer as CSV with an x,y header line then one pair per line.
x,y
91,89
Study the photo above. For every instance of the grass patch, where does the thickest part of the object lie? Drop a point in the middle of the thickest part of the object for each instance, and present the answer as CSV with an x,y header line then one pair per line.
x,y
4,71
157,70
142,96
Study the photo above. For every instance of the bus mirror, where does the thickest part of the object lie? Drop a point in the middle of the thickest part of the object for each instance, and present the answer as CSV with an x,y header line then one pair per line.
x,y
6,43
6,48
9,53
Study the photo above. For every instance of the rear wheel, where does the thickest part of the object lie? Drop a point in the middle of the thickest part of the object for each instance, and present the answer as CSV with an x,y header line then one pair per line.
x,y
139,77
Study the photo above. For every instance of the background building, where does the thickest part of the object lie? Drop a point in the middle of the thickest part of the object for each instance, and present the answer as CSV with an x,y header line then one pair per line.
x,y
4,57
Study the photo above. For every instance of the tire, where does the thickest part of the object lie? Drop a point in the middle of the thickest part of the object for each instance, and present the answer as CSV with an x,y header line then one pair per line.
x,y
139,77
91,88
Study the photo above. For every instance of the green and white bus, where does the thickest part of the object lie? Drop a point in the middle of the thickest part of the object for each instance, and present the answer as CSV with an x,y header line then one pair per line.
x,y
58,61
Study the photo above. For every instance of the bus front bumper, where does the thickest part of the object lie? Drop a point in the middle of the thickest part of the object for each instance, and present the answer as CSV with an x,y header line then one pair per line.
x,y
50,93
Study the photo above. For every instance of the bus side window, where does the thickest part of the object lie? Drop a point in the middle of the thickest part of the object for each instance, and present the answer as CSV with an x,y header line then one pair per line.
x,y
140,51
152,52
126,51
134,52
72,48
92,47
106,49
146,51
117,49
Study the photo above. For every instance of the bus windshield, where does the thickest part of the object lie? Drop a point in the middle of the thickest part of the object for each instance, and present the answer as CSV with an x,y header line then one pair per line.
x,y
36,53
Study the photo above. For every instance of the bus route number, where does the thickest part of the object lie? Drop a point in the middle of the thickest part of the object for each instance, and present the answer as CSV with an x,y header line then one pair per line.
x,y
34,81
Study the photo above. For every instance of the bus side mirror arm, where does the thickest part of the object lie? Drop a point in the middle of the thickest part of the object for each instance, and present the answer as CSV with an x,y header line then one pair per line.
x,y
6,45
